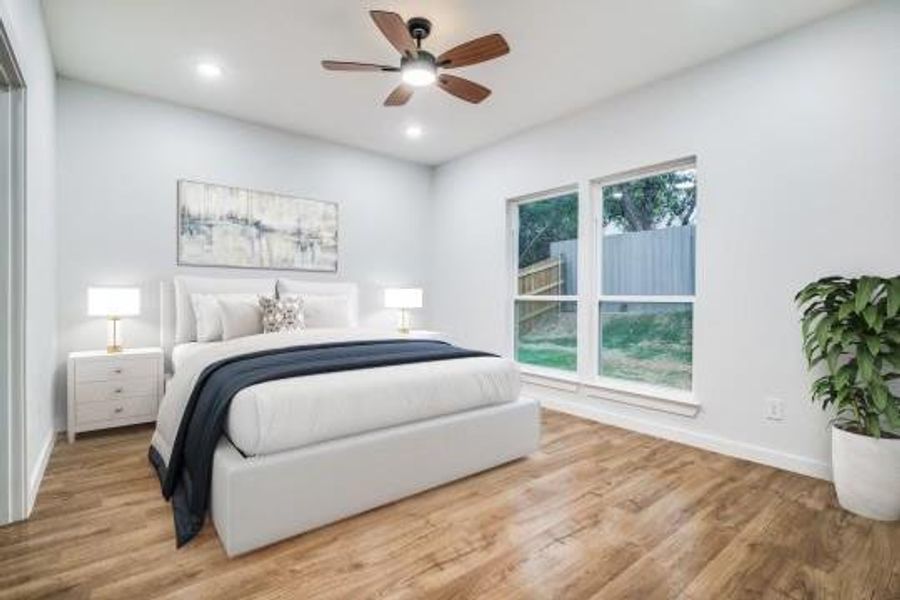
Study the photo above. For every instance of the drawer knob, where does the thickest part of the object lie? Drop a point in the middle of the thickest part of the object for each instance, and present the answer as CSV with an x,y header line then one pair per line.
x,y
118,390
118,409
117,371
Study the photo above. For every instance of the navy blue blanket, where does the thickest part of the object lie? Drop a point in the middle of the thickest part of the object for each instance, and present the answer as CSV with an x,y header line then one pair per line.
x,y
188,476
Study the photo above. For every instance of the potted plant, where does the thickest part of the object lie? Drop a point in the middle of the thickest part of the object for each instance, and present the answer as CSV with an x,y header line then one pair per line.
x,y
851,328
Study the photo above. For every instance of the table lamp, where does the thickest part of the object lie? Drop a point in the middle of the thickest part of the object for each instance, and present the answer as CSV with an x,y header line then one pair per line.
x,y
404,299
114,303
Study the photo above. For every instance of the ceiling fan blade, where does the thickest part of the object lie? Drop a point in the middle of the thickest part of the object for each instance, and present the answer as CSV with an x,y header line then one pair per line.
x,y
476,51
400,96
394,29
463,88
337,65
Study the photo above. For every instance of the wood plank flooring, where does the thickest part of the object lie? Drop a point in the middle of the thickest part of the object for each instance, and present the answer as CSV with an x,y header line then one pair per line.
x,y
598,512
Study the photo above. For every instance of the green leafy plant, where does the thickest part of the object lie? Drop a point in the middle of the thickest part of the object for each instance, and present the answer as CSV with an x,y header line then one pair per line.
x,y
852,326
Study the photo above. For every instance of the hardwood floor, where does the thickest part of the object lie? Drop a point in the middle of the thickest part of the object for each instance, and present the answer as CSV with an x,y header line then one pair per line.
x,y
599,512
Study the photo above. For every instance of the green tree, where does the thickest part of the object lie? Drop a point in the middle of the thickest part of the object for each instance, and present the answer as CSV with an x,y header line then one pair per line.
x,y
543,222
665,200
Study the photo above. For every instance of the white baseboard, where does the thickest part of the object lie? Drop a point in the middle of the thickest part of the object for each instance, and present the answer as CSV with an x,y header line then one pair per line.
x,y
34,481
751,452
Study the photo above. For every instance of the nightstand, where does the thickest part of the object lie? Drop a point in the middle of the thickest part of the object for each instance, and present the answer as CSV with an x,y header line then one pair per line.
x,y
112,390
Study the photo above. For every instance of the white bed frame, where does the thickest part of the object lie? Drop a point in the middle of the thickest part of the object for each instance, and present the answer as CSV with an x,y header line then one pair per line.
x,y
256,501
260,500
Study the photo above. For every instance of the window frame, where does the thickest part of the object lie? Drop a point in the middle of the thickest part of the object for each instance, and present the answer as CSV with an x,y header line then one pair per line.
x,y
586,380
513,206
596,296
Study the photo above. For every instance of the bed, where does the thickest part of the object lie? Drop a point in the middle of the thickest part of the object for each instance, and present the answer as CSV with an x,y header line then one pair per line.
x,y
300,452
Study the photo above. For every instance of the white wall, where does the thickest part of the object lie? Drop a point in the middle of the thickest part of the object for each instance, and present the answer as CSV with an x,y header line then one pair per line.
x,y
798,153
120,157
25,25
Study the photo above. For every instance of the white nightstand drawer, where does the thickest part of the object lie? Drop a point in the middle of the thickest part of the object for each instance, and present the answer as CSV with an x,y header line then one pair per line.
x,y
125,408
112,390
115,368
101,391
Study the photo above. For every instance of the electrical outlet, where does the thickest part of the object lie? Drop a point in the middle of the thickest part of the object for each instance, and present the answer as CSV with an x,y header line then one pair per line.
x,y
774,409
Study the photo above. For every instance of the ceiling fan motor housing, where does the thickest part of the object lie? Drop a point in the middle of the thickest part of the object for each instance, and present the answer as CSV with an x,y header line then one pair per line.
x,y
421,57
419,28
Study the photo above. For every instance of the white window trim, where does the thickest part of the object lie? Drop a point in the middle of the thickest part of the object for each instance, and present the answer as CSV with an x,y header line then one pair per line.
x,y
688,162
644,395
590,232
596,297
513,268
647,299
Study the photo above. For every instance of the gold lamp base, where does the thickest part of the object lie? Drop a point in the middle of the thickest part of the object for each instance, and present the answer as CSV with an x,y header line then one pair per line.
x,y
113,336
404,321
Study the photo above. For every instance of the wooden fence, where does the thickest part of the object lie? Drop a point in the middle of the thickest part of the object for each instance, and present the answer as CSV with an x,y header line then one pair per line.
x,y
544,278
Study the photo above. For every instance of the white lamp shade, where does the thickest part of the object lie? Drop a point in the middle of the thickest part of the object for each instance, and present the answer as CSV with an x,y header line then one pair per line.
x,y
403,298
114,302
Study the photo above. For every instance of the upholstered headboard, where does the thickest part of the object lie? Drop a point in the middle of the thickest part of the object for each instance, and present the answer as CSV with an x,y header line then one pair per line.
x,y
176,313
167,320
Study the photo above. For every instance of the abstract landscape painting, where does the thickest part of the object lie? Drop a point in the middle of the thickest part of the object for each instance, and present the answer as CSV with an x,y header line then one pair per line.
x,y
234,227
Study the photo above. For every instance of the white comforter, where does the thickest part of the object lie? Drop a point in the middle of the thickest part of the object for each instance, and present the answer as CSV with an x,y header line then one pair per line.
x,y
281,415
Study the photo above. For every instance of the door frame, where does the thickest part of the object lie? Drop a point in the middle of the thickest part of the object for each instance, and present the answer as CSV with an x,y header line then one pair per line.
x,y
13,426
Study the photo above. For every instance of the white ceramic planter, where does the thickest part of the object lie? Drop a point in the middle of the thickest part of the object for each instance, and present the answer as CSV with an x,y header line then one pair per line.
x,y
866,474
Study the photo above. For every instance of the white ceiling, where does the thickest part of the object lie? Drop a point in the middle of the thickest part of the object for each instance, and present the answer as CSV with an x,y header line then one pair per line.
x,y
565,55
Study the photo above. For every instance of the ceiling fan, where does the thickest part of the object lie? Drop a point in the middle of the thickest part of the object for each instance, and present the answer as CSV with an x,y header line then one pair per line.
x,y
419,68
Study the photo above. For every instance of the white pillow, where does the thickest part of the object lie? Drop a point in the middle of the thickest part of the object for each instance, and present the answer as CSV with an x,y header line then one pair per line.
x,y
326,311
208,313
185,326
347,292
240,317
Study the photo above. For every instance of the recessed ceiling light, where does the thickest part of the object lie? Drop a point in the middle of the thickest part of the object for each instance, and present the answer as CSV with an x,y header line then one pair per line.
x,y
209,70
414,132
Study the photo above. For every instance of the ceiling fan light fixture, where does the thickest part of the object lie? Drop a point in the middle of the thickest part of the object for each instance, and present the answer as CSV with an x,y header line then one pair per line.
x,y
419,73
418,67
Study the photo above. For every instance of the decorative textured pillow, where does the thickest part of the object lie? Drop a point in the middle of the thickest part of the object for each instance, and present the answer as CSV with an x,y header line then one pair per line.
x,y
281,314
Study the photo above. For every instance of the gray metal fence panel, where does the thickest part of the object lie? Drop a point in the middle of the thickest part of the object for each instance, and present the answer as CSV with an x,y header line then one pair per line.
x,y
658,262
567,251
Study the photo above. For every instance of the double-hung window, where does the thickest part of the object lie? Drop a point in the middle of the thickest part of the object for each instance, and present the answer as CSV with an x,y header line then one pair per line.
x,y
638,280
646,275
545,235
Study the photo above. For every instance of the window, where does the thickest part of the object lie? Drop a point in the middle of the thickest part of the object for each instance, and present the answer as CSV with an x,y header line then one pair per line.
x,y
634,309
546,293
646,260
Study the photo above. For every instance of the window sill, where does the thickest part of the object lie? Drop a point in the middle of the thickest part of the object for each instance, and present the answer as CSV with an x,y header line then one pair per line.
x,y
552,378
615,390
645,395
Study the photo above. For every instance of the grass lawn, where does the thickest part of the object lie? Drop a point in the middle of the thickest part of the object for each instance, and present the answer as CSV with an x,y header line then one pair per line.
x,y
642,344
652,347
556,353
